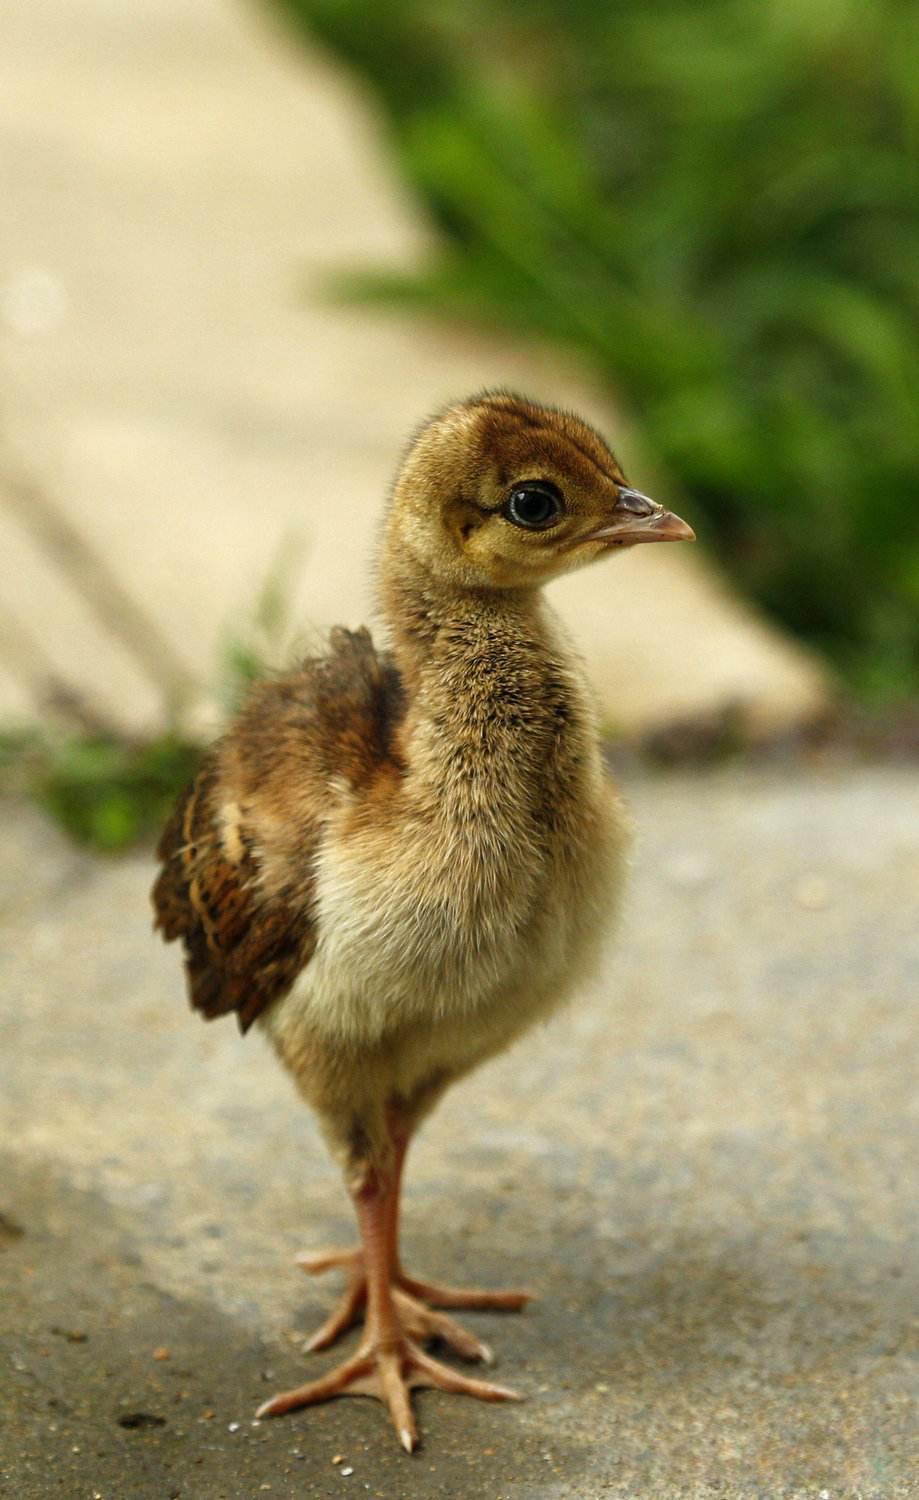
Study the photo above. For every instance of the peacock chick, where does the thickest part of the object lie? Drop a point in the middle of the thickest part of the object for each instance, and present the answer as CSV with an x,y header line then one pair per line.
x,y
398,860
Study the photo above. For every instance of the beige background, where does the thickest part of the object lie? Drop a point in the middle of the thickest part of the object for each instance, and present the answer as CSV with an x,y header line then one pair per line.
x,y
175,183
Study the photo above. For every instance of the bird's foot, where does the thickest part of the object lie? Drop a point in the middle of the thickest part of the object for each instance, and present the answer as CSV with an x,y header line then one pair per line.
x,y
389,1369
416,1301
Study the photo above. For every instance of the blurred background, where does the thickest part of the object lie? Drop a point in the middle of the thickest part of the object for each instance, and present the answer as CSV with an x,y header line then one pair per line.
x,y
243,249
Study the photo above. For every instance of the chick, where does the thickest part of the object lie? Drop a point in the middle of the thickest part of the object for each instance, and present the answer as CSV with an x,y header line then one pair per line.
x,y
397,861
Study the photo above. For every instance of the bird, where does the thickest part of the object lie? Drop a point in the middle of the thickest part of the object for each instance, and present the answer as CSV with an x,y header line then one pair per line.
x,y
398,859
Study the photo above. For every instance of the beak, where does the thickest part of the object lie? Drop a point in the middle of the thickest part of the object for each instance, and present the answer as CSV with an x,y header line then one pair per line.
x,y
636,518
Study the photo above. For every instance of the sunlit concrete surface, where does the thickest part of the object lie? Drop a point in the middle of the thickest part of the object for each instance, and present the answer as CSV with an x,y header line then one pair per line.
x,y
706,1168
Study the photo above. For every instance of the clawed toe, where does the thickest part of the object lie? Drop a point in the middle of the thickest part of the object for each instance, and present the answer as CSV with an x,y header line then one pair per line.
x,y
315,1262
470,1298
389,1374
344,1379
416,1301
431,1372
344,1316
423,1324
346,1313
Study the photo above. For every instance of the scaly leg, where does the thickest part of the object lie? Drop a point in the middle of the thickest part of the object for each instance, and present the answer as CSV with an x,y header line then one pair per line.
x,y
416,1299
389,1363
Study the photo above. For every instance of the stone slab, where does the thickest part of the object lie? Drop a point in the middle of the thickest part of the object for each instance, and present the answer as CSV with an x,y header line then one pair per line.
x,y
706,1168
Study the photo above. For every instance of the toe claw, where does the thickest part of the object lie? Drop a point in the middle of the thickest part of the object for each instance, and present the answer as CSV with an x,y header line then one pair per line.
x,y
422,1323
395,1392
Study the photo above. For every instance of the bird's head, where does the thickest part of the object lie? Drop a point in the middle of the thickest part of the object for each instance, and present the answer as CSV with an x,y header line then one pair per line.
x,y
499,492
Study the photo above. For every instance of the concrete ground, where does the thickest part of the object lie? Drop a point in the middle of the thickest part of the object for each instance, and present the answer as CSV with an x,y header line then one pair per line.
x,y
706,1168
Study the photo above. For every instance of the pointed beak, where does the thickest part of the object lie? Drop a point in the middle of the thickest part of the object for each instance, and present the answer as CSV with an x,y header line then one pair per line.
x,y
636,518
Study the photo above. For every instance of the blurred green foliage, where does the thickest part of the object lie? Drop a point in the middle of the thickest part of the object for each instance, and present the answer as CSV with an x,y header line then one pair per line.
x,y
109,789
717,203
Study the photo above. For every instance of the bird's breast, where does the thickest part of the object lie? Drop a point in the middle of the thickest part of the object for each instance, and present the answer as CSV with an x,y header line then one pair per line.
x,y
444,911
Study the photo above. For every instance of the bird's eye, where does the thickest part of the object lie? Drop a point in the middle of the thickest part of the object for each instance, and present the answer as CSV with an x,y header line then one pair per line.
x,y
534,505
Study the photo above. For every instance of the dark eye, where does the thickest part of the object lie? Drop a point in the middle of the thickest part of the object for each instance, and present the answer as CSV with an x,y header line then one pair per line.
x,y
533,505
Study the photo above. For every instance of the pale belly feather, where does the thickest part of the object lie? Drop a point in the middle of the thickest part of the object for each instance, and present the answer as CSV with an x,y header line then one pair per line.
x,y
436,956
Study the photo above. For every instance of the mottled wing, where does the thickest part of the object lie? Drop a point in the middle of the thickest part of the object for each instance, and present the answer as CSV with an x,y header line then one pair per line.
x,y
240,953
236,884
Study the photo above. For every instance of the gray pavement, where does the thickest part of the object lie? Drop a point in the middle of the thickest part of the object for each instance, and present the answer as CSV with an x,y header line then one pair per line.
x,y
706,1167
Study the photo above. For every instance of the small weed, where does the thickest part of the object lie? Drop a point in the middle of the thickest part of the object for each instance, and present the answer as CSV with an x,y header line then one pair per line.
x,y
109,789
108,793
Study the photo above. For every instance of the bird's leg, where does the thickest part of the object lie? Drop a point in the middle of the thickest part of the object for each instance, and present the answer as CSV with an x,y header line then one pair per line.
x,y
435,1294
347,1312
417,1298
389,1363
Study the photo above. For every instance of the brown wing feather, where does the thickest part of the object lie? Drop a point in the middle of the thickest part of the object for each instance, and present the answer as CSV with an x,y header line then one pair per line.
x,y
240,952
236,884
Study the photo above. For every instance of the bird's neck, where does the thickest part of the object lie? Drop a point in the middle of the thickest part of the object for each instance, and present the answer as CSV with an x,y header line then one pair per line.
x,y
430,620
491,689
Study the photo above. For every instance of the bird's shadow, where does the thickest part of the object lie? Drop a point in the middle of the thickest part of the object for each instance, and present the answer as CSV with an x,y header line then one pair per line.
x,y
676,1334
709,1304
